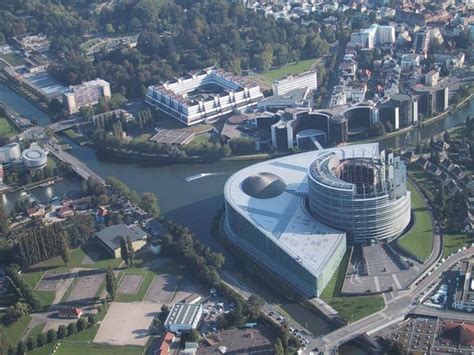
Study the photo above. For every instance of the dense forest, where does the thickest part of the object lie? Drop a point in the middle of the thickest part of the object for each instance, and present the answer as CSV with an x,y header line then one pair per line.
x,y
174,36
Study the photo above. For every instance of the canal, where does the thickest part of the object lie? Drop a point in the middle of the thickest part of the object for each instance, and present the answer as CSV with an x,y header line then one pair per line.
x,y
195,203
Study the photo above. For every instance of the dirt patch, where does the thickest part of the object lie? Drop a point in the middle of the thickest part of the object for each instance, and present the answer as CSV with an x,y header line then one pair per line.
x,y
50,281
127,323
162,289
130,284
87,286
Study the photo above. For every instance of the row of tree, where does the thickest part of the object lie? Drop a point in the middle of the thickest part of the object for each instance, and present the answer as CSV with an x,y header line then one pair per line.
x,y
25,292
51,336
43,243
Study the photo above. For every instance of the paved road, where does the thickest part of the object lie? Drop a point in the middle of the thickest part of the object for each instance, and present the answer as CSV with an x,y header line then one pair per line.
x,y
80,168
396,308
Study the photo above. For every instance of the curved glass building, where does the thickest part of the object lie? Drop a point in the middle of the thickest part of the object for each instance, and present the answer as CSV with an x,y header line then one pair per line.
x,y
291,215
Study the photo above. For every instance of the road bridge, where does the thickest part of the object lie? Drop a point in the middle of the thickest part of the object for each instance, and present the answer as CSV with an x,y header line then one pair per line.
x,y
79,167
60,126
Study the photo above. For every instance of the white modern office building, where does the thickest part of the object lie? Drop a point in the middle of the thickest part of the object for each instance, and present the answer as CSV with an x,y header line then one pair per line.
x,y
205,95
308,80
373,36
294,215
86,94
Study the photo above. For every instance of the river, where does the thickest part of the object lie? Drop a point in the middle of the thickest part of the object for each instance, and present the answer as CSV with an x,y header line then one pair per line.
x,y
195,203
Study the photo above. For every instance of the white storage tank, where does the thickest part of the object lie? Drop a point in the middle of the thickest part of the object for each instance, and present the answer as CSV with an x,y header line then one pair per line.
x,y
34,158
9,153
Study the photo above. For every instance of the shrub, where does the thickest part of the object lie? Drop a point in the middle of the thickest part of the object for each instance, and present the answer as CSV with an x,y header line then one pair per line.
x,y
41,339
51,335
71,329
31,343
81,324
21,348
92,319
62,332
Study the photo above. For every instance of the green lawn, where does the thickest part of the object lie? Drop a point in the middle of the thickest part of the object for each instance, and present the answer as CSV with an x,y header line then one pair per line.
x,y
37,329
76,137
76,257
141,138
197,141
44,350
293,68
13,58
349,308
453,242
46,297
52,163
32,278
15,330
419,239
72,349
6,129
148,278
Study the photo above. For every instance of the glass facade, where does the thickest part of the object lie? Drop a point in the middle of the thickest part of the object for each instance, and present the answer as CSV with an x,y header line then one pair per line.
x,y
264,251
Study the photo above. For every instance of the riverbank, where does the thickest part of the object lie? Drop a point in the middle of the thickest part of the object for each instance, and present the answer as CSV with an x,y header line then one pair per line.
x,y
424,124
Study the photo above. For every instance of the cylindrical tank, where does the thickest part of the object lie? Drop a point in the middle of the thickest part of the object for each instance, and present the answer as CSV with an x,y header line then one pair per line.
x,y
9,153
34,158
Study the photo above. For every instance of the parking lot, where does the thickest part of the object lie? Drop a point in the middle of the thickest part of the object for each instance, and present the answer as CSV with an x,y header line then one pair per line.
x,y
162,289
423,335
127,323
87,286
129,284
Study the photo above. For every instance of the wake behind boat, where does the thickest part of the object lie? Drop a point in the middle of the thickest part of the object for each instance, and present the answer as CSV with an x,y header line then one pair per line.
x,y
198,176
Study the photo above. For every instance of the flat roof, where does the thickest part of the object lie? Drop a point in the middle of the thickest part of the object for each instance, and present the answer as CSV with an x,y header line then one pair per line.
x,y
291,97
183,313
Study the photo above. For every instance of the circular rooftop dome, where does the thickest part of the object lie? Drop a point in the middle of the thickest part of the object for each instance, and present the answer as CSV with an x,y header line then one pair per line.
x,y
263,185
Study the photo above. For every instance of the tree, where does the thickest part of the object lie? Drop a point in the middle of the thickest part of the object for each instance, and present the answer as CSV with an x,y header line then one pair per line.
x,y
4,224
51,335
81,324
191,335
149,203
92,319
4,345
17,311
62,331
21,348
110,284
41,339
377,129
30,343
284,334
253,306
278,348
71,329
446,137
64,248
440,202
131,253
123,250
